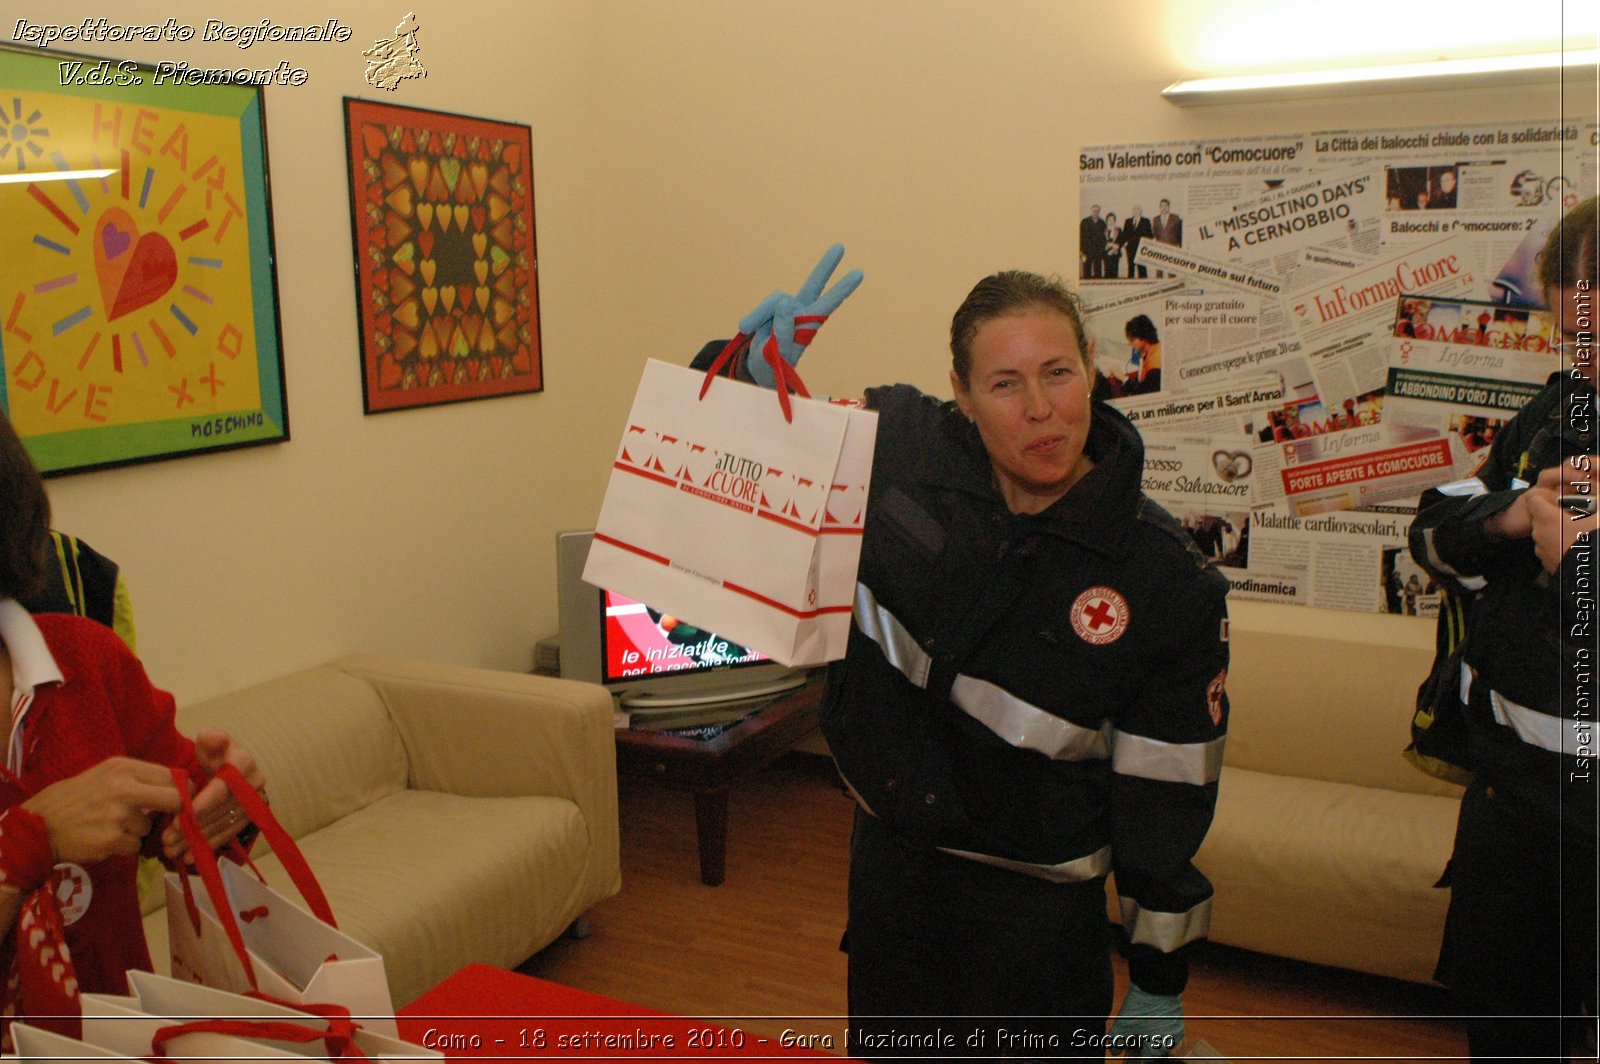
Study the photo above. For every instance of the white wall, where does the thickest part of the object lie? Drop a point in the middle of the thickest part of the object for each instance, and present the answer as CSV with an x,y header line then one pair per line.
x,y
690,156
426,532
937,139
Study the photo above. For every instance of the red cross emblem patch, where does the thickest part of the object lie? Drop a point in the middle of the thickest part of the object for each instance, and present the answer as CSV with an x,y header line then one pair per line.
x,y
1100,615
73,892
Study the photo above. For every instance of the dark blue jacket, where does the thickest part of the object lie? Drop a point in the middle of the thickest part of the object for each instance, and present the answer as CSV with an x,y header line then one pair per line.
x,y
1531,636
1040,692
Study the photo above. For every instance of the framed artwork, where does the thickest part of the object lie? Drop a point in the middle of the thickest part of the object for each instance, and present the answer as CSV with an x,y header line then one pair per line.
x,y
138,295
446,267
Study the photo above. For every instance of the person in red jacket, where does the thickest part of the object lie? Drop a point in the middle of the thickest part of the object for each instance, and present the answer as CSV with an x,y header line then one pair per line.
x,y
87,783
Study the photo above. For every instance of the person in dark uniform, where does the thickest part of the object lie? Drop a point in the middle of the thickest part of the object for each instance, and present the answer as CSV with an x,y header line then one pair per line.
x,y
1135,230
1166,227
1113,252
1092,244
1519,940
1032,698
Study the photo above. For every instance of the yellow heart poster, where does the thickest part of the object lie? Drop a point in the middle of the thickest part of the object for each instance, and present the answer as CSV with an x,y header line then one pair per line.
x,y
138,301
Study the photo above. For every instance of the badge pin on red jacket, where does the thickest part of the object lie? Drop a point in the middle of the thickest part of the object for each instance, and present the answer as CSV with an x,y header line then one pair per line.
x,y
1100,615
74,892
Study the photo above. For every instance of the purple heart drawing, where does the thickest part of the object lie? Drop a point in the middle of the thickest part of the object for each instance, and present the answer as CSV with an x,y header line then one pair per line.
x,y
115,240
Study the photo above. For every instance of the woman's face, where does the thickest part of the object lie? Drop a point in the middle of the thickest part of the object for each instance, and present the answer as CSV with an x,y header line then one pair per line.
x,y
1028,394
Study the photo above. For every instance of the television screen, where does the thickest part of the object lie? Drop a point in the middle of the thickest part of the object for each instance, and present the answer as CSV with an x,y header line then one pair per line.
x,y
640,641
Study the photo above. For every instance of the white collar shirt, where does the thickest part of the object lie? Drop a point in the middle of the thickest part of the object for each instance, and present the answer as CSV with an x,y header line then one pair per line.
x,y
32,667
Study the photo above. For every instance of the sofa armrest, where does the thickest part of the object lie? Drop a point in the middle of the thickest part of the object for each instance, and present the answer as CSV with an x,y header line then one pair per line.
x,y
486,733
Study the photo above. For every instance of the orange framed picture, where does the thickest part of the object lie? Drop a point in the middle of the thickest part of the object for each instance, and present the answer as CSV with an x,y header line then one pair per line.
x,y
446,259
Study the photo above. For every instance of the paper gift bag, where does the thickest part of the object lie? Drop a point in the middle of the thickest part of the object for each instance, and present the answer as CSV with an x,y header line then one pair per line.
x,y
239,934
294,955
725,514
39,1046
117,1024
175,1001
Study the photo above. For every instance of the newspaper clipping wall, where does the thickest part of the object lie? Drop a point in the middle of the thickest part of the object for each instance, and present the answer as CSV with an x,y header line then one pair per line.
x,y
1310,328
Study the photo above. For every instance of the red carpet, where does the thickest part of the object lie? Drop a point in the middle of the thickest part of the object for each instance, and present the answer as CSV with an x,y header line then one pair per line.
x,y
484,1012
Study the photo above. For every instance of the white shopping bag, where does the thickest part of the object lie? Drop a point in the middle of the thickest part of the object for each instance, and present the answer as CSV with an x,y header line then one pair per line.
x,y
238,934
115,1023
175,1001
294,955
39,1046
174,1020
732,518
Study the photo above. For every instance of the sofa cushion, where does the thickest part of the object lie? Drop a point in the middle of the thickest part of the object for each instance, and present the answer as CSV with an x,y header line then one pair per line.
x,y
470,858
1329,872
1326,709
322,736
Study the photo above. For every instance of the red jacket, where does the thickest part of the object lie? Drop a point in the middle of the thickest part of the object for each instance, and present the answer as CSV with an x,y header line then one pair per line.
x,y
104,706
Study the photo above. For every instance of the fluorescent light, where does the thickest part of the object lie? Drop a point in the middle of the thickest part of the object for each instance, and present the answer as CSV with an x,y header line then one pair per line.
x,y
1437,74
54,175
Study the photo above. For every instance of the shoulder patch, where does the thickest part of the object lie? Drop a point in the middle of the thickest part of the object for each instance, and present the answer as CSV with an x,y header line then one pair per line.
x,y
1214,697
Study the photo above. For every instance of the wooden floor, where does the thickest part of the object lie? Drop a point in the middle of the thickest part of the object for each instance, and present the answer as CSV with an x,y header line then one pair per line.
x,y
761,952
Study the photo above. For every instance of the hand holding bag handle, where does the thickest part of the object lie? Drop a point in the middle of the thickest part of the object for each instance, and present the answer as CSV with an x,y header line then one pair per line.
x,y
781,327
785,324
205,861
733,355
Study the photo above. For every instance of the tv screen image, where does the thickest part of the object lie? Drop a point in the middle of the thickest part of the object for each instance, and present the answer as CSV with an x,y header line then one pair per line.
x,y
640,641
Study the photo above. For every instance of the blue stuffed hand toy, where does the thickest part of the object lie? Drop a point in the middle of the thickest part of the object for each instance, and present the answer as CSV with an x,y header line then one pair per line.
x,y
782,324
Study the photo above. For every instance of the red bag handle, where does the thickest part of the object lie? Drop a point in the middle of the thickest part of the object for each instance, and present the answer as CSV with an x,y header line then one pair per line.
x,y
788,378
727,361
260,813
205,861
340,1044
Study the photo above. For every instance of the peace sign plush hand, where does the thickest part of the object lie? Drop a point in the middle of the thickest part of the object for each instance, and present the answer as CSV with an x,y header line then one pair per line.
x,y
784,324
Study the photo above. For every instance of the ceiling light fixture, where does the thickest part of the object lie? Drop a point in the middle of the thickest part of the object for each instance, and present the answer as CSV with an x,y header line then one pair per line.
x,y
1484,72
54,175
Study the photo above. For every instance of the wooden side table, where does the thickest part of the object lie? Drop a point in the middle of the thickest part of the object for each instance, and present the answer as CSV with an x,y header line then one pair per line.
x,y
708,768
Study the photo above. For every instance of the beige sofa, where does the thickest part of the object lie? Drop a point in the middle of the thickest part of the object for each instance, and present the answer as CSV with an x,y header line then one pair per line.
x,y
451,814
1327,843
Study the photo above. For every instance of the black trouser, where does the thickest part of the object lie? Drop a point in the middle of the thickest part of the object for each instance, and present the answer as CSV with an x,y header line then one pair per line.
x,y
950,957
1519,940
